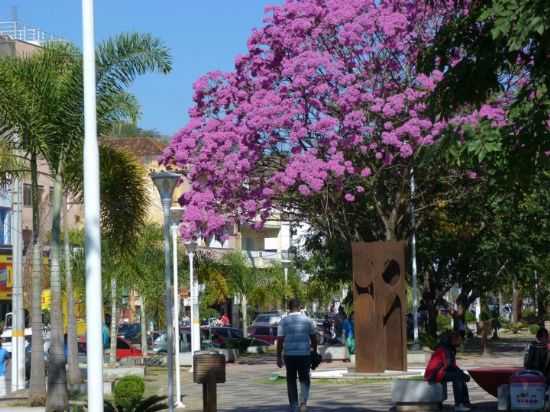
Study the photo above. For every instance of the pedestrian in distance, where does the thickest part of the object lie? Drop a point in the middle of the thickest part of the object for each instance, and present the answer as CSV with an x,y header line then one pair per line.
x,y
4,357
537,357
442,368
296,341
349,334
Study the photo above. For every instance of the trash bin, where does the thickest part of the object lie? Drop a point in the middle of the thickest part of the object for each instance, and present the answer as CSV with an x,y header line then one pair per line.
x,y
205,363
209,369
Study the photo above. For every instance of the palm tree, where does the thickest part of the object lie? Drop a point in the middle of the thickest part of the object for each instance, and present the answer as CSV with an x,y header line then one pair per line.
x,y
54,130
26,83
242,280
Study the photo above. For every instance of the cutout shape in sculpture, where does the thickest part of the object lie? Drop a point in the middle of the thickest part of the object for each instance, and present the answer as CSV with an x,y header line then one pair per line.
x,y
392,273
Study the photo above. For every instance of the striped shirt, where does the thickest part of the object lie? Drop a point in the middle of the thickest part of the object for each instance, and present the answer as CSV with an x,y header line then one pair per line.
x,y
296,328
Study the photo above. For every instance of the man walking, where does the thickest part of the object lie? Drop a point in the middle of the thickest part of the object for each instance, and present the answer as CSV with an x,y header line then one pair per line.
x,y
296,339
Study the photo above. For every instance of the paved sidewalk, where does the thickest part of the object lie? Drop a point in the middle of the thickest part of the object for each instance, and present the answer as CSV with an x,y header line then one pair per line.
x,y
248,389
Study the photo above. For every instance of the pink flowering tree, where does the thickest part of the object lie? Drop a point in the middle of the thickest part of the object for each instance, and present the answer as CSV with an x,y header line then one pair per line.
x,y
322,118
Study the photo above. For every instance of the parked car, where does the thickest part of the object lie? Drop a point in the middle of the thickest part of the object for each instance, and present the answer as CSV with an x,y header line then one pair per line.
x,y
267,318
264,327
261,333
217,337
130,331
124,348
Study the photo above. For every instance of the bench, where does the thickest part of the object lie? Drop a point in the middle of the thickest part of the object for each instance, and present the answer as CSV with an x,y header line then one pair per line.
x,y
412,395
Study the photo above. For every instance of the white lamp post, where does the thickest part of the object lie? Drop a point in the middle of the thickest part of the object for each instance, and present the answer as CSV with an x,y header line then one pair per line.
x,y
176,218
194,286
94,298
166,183
413,265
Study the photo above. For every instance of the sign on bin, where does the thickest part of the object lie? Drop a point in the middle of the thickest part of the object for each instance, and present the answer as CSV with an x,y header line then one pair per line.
x,y
527,389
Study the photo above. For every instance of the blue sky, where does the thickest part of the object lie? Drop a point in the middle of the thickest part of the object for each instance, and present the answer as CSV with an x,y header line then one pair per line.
x,y
203,35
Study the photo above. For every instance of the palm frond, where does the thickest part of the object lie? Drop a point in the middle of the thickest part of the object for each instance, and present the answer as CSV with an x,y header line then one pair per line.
x,y
124,57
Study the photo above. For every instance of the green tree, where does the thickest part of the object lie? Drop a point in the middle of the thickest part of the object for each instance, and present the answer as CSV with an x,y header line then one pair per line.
x,y
242,282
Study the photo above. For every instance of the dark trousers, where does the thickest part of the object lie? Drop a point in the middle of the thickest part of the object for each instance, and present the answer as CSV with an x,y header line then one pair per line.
x,y
296,365
460,390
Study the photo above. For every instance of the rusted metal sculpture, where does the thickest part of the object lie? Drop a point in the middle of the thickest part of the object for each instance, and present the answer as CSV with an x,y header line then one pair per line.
x,y
380,304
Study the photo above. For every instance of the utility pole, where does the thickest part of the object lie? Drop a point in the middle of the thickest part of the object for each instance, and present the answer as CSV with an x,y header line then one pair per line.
x,y
18,327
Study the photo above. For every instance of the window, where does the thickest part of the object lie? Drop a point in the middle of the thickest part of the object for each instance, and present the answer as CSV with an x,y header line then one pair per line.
x,y
27,196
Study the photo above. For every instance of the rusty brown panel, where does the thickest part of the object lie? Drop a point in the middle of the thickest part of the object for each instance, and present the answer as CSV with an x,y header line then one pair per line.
x,y
379,279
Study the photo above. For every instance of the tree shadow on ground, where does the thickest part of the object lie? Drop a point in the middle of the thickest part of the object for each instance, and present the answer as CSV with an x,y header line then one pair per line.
x,y
330,406
502,344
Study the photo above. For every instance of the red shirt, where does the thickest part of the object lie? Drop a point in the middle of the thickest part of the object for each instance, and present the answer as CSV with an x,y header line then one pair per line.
x,y
438,364
224,319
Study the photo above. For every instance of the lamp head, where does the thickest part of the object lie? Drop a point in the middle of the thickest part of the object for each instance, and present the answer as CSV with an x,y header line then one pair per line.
x,y
191,246
165,183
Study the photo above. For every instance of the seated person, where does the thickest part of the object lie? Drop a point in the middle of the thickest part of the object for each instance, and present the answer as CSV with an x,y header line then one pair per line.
x,y
536,357
442,368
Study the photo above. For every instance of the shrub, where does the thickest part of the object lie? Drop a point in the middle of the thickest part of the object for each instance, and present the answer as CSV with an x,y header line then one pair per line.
x,y
484,316
516,327
128,392
443,322
529,315
534,328
469,317
427,340
151,404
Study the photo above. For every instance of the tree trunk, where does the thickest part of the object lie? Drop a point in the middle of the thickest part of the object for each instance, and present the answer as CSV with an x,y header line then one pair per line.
x,y
112,352
236,320
74,375
57,379
37,392
143,324
244,310
541,306
515,303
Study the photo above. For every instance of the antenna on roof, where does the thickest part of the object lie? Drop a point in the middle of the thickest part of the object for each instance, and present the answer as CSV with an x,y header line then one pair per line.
x,y
14,16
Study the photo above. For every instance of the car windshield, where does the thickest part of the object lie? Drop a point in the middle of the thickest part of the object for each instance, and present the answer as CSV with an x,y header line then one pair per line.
x,y
262,319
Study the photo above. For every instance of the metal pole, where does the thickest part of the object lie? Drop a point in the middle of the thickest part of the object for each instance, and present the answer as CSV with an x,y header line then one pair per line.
x,y
413,265
285,268
18,326
94,299
178,403
195,322
168,284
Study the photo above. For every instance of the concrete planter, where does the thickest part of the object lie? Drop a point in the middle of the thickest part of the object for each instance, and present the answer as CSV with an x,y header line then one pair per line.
x,y
255,349
332,353
231,355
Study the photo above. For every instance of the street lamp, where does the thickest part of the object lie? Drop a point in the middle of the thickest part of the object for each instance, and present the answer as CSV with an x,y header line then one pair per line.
x,y
176,214
166,183
94,298
194,286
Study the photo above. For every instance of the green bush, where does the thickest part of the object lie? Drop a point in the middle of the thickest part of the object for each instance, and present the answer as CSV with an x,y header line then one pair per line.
x,y
534,328
485,316
516,327
529,315
469,317
128,391
427,340
443,322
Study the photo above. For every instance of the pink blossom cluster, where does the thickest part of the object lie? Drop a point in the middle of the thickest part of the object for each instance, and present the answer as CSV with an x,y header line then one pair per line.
x,y
328,92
